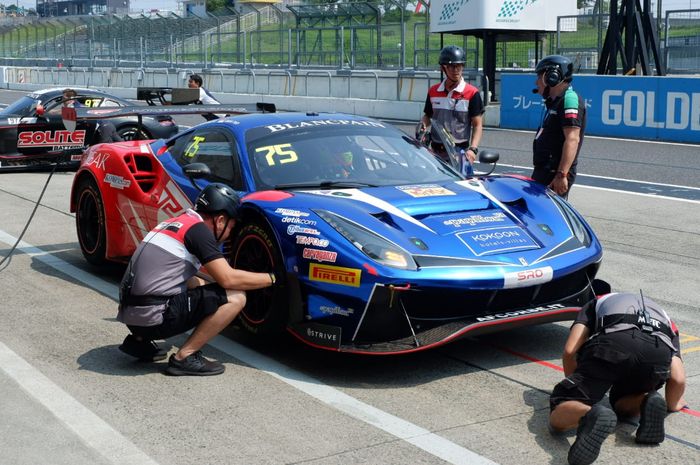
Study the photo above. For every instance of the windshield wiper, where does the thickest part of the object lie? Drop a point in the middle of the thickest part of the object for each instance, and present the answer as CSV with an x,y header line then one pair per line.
x,y
322,185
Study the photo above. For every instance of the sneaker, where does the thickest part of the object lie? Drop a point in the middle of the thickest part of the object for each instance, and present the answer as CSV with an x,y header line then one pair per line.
x,y
651,420
592,430
145,351
194,365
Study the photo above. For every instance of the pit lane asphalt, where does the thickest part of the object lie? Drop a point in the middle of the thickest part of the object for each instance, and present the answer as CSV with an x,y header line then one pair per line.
x,y
273,404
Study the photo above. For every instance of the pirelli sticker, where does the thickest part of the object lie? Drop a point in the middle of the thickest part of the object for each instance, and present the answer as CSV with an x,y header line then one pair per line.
x,y
335,274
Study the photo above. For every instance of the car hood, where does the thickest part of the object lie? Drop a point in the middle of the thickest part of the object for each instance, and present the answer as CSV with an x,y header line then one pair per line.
x,y
503,219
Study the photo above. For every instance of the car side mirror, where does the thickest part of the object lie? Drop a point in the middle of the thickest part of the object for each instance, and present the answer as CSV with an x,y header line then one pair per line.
x,y
196,170
488,157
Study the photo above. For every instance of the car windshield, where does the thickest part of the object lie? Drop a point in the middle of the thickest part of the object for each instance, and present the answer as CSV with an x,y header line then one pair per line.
x,y
20,107
339,153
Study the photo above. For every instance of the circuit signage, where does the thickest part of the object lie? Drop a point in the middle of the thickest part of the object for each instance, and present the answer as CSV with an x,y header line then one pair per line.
x,y
654,108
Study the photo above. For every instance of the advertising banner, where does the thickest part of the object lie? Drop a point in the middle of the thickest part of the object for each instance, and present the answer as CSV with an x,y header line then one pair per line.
x,y
633,107
510,15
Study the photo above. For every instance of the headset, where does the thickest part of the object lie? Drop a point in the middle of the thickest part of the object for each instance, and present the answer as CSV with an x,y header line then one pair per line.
x,y
553,76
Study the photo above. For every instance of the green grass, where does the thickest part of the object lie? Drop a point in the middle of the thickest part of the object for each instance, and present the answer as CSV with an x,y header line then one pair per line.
x,y
321,45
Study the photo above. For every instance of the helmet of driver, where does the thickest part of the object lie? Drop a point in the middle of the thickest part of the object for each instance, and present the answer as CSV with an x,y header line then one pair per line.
x,y
452,55
218,198
556,69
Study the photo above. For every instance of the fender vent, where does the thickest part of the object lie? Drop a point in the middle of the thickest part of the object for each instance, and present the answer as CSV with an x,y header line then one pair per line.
x,y
141,167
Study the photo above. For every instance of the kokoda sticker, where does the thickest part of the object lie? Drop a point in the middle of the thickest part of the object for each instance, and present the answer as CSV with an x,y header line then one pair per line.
x,y
117,182
527,278
493,240
425,190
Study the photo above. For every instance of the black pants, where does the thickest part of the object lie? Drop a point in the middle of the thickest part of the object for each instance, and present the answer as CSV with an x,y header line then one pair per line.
x,y
626,362
544,174
185,311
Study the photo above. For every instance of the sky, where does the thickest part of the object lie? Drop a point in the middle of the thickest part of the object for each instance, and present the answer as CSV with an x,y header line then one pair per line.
x,y
138,5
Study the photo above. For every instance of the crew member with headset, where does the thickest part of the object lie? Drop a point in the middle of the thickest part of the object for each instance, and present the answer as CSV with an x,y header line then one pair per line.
x,y
455,104
625,343
560,136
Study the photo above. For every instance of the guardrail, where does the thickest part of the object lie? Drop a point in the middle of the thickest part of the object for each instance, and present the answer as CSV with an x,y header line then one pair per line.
x,y
342,83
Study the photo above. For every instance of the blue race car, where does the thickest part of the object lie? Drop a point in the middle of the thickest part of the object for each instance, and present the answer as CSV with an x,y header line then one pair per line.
x,y
380,247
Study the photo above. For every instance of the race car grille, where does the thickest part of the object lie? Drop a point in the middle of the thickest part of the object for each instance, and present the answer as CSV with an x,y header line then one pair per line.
x,y
444,304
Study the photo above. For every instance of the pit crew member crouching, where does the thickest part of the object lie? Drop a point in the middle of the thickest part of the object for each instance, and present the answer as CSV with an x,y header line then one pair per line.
x,y
161,296
627,344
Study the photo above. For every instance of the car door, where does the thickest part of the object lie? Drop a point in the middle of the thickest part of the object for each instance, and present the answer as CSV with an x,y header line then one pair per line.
x,y
45,133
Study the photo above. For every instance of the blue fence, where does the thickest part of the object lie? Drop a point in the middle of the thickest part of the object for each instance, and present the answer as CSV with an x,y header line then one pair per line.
x,y
654,108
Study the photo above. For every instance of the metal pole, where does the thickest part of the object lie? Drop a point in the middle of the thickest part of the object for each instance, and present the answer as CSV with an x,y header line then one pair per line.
x,y
341,58
402,58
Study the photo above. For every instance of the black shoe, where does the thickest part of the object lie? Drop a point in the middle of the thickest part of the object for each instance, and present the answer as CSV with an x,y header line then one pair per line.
x,y
592,430
651,420
194,365
145,351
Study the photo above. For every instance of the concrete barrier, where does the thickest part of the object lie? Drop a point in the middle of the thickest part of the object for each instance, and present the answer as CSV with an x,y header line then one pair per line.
x,y
377,94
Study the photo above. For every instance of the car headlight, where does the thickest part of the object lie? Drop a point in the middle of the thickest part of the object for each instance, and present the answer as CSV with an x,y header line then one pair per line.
x,y
374,246
577,226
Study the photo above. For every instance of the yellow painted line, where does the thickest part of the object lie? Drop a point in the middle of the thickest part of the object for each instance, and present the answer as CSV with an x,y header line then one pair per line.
x,y
688,337
689,350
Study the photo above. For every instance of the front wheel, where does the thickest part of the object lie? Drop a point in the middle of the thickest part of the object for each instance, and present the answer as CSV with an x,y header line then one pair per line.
x,y
90,222
266,310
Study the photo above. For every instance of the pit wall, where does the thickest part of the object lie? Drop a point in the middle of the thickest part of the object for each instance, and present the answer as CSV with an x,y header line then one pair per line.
x,y
652,108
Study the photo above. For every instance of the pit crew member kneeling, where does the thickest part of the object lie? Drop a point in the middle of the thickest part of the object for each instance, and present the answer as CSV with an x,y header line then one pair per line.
x,y
626,343
161,295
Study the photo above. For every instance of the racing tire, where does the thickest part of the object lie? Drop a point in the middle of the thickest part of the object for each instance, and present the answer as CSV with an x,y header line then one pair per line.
x,y
266,311
133,133
90,222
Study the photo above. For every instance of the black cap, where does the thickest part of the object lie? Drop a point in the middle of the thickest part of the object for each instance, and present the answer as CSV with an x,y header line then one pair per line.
x,y
218,198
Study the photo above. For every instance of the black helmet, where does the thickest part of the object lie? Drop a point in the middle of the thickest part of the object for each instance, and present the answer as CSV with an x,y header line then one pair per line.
x,y
556,68
452,55
217,197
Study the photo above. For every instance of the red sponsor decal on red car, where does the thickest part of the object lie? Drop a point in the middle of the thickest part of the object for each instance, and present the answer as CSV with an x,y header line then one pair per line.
x,y
50,138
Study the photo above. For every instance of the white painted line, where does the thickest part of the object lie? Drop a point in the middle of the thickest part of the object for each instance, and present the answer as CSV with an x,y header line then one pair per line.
x,y
652,196
620,139
615,179
621,191
402,429
95,432
96,283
